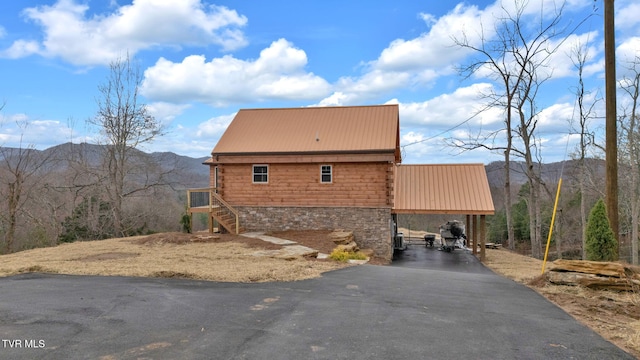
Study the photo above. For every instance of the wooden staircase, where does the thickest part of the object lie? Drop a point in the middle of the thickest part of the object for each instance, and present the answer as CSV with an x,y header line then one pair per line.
x,y
220,212
226,216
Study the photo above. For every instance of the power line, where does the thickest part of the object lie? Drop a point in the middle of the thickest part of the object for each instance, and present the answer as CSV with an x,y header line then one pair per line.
x,y
448,130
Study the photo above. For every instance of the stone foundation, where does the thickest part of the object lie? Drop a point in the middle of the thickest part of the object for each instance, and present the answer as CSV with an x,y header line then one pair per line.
x,y
371,226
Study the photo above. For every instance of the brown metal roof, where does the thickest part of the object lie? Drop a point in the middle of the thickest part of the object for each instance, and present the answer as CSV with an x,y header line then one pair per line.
x,y
442,189
312,129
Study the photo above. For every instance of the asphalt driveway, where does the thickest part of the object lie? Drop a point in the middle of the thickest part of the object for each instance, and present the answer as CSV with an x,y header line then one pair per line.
x,y
445,308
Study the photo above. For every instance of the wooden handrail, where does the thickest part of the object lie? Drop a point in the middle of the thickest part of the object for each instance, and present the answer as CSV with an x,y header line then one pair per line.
x,y
223,205
217,206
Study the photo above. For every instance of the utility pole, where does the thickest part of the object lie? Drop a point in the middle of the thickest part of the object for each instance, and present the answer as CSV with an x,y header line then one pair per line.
x,y
611,136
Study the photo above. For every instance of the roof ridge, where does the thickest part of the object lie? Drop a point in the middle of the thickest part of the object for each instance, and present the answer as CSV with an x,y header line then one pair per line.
x,y
444,164
296,130
320,107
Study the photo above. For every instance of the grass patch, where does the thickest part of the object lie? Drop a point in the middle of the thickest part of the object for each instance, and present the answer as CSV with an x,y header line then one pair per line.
x,y
344,256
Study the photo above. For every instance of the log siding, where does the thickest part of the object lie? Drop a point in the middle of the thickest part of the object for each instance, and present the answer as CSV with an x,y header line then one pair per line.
x,y
353,184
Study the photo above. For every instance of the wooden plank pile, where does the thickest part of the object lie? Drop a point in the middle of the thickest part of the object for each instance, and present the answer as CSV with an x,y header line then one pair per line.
x,y
493,246
594,275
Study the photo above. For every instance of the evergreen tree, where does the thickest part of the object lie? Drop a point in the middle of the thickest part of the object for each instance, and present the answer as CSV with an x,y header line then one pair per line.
x,y
90,221
601,244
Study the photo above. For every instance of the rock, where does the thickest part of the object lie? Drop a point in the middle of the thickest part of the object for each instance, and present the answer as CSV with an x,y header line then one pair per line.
x,y
341,237
290,252
349,247
357,262
204,238
367,252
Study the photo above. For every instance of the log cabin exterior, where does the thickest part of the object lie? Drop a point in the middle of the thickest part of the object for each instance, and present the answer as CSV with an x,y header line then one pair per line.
x,y
311,168
326,168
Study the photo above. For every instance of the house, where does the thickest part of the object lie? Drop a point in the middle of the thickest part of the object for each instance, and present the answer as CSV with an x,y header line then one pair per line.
x,y
312,168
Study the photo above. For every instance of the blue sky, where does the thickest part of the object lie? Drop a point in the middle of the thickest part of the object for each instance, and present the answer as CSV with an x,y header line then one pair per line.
x,y
203,61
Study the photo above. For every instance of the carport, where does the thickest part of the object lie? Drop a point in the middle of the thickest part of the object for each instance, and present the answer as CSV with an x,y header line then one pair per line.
x,y
460,189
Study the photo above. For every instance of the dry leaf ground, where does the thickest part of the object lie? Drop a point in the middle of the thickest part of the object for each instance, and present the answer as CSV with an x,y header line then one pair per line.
x,y
230,258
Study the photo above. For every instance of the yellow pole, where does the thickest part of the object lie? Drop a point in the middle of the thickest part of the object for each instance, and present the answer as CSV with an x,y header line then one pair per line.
x,y
553,219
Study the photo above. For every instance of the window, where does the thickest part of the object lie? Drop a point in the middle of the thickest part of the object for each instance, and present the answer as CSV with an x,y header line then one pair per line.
x,y
326,174
215,179
260,173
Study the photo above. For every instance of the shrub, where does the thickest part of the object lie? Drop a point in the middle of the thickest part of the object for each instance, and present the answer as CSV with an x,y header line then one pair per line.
x,y
185,221
344,256
601,244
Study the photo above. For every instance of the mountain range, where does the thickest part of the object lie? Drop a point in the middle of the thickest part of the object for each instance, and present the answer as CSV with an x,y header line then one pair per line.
x,y
194,174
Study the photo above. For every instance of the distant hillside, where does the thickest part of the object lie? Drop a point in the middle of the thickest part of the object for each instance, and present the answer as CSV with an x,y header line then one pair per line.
x,y
193,174
550,172
190,172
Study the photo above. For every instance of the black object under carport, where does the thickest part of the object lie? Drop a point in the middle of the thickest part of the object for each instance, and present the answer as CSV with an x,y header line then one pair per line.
x,y
429,239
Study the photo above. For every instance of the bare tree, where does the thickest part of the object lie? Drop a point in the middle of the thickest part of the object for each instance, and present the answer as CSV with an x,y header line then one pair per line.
x,y
21,175
579,57
517,61
125,125
630,149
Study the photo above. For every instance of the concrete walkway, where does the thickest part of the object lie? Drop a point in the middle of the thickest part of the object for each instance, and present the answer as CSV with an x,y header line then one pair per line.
x,y
290,249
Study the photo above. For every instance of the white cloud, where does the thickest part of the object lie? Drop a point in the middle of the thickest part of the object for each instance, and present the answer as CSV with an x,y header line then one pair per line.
x,y
429,127
71,35
417,148
626,16
435,48
19,130
214,127
419,62
561,62
277,74
555,118
166,112
195,142
21,48
464,106
351,90
413,63
628,51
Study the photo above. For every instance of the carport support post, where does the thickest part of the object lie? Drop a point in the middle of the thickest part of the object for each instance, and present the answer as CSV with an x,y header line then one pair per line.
x,y
483,240
470,241
475,234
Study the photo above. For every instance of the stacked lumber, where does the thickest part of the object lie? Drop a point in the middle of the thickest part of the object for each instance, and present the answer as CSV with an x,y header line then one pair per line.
x,y
594,275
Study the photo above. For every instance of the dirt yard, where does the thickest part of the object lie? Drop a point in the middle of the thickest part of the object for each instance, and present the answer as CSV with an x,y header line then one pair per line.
x,y
614,315
222,257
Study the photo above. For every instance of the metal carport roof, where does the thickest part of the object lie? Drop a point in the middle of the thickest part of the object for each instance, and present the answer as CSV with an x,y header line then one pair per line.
x,y
442,189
